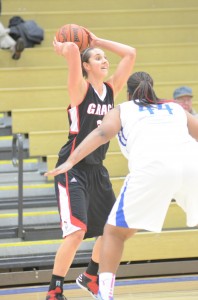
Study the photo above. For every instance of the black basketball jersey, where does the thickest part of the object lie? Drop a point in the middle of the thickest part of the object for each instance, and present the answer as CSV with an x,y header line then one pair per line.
x,y
83,119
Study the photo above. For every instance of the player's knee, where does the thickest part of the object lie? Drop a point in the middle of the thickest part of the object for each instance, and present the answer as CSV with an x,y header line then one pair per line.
x,y
119,232
77,236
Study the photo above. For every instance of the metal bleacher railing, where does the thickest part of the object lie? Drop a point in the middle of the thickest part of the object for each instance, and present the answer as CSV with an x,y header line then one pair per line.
x,y
17,160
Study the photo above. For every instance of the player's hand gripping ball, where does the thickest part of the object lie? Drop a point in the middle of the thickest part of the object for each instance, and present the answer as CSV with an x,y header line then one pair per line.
x,y
73,33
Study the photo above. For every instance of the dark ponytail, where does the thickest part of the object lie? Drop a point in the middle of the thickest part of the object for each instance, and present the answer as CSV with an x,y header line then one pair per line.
x,y
140,89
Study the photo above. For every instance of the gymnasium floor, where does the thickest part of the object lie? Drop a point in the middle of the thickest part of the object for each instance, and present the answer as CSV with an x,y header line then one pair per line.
x,y
166,288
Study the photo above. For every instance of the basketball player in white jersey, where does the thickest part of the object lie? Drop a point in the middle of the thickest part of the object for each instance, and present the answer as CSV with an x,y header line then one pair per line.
x,y
159,140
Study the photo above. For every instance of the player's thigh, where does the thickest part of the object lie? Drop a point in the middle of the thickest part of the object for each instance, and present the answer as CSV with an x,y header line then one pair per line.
x,y
72,195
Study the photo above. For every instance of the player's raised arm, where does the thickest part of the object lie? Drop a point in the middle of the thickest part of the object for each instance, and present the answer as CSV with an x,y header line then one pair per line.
x,y
127,56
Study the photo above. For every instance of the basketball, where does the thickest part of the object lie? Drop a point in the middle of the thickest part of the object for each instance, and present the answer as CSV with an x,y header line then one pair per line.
x,y
73,33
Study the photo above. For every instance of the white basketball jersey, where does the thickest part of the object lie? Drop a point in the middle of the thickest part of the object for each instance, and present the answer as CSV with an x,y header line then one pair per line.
x,y
148,132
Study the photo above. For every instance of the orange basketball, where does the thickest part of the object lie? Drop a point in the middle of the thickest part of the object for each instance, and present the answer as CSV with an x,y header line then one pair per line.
x,y
73,33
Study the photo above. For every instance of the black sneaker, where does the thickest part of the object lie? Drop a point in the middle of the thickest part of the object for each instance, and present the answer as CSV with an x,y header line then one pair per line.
x,y
88,283
55,295
19,47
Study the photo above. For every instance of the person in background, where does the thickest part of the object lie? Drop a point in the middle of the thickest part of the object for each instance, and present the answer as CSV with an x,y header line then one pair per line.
x,y
183,96
85,193
158,139
7,42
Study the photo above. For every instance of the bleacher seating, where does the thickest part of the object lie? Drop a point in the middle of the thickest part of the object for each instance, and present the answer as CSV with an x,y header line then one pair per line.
x,y
34,99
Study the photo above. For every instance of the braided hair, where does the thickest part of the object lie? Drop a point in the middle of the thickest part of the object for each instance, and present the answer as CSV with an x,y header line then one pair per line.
x,y
140,89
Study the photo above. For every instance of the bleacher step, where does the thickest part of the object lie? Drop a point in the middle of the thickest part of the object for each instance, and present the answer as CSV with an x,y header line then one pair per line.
x,y
51,5
6,142
6,178
6,146
29,202
156,53
36,224
29,190
5,125
140,34
110,18
29,165
42,216
145,246
55,76
15,253
44,97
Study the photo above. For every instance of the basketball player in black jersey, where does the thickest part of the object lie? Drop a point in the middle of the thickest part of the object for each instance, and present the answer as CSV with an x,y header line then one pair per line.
x,y
85,194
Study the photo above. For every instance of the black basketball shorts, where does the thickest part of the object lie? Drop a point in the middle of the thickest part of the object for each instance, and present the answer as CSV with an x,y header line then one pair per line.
x,y
85,198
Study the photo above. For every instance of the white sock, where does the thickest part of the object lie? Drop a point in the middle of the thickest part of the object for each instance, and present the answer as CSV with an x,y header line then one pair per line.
x,y
106,285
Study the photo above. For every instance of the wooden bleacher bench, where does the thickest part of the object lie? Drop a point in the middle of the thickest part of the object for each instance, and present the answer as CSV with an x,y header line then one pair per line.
x,y
32,97
26,120
50,142
141,35
55,75
172,244
11,5
43,97
161,52
112,16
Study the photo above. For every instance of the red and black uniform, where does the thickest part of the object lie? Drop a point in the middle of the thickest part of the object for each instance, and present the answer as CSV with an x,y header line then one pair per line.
x,y
85,192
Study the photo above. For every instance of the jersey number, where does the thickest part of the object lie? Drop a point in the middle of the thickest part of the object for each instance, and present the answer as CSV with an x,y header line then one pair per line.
x,y
159,107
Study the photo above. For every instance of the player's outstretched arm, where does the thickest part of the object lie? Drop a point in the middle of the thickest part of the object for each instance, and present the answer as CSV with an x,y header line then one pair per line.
x,y
109,127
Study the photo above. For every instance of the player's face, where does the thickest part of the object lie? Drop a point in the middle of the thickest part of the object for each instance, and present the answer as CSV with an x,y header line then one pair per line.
x,y
185,102
98,63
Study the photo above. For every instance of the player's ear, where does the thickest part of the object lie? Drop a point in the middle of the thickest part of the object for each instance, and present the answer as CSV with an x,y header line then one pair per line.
x,y
85,66
128,96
